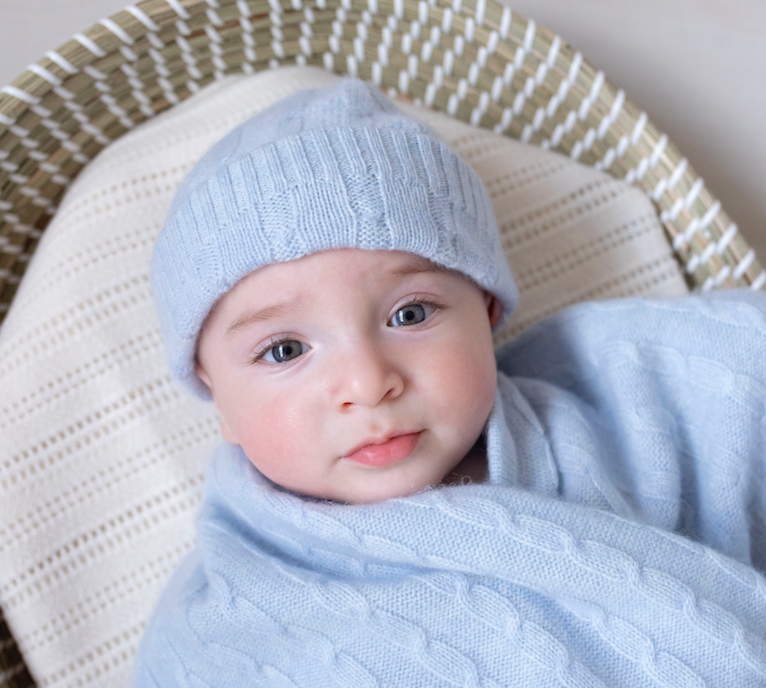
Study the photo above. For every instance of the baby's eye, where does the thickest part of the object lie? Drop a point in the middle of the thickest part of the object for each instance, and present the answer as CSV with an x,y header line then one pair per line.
x,y
411,314
284,351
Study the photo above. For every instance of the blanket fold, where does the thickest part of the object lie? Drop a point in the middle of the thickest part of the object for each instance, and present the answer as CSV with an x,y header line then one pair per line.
x,y
562,570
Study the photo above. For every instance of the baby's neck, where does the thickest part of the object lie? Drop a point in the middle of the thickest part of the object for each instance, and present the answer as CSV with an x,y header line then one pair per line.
x,y
472,468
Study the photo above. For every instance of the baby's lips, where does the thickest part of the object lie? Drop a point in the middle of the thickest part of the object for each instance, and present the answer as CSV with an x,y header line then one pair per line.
x,y
390,451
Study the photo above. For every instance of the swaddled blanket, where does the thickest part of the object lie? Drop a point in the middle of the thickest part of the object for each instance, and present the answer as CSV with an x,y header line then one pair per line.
x,y
614,425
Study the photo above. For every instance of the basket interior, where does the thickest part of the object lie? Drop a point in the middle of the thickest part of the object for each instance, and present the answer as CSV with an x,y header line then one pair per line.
x,y
474,59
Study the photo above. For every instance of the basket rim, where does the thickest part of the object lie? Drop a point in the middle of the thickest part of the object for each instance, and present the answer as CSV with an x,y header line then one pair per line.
x,y
475,59
608,131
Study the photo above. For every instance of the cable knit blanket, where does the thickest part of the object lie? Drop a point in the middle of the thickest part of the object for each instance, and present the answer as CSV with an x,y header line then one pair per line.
x,y
619,541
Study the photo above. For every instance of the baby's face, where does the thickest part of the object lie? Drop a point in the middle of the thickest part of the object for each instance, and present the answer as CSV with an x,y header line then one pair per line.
x,y
352,375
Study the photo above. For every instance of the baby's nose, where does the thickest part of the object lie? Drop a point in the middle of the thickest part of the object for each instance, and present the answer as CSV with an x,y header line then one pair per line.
x,y
367,377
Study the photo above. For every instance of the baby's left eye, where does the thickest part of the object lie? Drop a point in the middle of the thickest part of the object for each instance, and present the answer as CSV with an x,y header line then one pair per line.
x,y
411,314
284,351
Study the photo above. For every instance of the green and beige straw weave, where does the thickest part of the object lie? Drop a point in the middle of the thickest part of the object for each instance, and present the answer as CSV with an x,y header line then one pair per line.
x,y
474,59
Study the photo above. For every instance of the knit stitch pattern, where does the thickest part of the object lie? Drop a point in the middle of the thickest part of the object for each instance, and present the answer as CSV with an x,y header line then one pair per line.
x,y
618,542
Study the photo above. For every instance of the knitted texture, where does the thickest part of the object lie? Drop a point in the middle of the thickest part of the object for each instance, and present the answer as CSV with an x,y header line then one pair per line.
x,y
327,168
621,423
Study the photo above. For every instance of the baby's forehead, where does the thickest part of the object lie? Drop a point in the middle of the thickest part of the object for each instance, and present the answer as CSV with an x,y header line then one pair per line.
x,y
335,272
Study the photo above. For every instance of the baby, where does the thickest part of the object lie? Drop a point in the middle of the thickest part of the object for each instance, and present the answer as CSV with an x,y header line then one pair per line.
x,y
330,274
389,508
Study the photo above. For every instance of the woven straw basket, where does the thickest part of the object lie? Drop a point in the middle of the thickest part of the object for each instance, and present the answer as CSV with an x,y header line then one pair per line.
x,y
474,59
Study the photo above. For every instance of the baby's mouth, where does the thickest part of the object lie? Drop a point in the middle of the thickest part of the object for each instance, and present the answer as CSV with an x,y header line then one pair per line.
x,y
387,452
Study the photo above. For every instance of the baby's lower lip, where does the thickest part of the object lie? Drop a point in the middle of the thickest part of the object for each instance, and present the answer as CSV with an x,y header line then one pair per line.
x,y
396,449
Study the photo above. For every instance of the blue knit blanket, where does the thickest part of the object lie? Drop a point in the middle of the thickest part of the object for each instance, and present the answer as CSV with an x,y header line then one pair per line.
x,y
619,541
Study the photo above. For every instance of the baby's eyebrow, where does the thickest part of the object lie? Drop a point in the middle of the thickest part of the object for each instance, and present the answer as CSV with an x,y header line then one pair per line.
x,y
418,265
248,318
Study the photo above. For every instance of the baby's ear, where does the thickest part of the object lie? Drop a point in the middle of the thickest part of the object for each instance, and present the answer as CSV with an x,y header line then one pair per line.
x,y
202,375
494,308
226,432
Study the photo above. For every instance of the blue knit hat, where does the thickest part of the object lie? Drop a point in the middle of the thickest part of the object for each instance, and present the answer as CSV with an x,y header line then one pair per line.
x,y
327,168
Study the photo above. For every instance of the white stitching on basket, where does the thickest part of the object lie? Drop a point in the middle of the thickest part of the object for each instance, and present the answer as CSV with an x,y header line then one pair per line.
x,y
592,97
45,74
187,55
716,280
111,103
137,89
21,95
144,18
179,9
743,265
88,43
159,65
23,135
603,128
638,128
726,238
62,62
359,53
214,17
60,134
117,30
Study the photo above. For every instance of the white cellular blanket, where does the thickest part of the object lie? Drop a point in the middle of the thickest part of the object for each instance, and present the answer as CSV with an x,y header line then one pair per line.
x,y
101,455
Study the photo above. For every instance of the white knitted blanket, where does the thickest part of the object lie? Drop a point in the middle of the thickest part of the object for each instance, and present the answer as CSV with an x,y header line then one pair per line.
x,y
101,455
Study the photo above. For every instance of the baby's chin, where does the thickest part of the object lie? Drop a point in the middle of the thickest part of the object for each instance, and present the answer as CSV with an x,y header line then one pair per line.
x,y
384,487
373,490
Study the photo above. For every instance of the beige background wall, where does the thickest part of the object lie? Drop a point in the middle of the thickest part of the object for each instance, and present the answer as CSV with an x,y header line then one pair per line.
x,y
698,67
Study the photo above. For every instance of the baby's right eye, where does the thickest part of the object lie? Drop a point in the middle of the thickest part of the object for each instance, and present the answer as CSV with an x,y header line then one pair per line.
x,y
282,351
413,313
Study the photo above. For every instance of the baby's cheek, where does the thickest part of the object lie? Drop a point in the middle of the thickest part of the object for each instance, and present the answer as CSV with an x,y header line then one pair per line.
x,y
468,386
272,434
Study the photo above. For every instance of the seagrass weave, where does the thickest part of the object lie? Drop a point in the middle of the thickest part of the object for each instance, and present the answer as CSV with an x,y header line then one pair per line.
x,y
13,672
474,59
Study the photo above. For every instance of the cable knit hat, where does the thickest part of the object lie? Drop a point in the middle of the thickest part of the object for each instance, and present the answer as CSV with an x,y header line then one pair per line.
x,y
328,168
